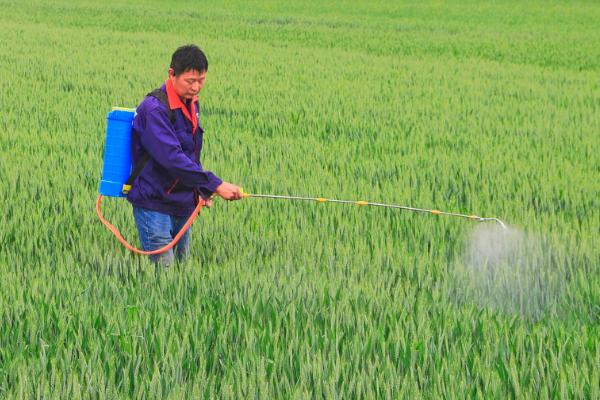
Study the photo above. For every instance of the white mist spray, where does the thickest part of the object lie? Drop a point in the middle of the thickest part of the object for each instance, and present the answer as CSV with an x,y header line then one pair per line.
x,y
508,270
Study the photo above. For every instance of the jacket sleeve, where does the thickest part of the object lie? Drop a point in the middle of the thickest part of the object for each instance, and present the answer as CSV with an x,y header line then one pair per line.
x,y
158,138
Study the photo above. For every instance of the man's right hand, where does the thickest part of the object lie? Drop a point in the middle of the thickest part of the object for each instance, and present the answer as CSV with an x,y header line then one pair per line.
x,y
229,191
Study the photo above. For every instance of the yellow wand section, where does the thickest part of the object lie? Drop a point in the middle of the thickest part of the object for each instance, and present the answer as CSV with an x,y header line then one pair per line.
x,y
368,203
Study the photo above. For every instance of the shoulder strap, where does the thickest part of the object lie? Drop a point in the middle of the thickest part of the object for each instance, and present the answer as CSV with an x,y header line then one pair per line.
x,y
137,170
162,97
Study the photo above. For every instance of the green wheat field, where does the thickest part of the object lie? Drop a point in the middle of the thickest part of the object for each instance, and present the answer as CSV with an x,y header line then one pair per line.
x,y
486,108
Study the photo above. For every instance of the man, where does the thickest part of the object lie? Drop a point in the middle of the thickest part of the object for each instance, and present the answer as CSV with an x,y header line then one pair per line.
x,y
167,141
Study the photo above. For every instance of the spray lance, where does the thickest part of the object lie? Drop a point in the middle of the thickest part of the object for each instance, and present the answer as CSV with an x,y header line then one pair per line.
x,y
369,203
117,168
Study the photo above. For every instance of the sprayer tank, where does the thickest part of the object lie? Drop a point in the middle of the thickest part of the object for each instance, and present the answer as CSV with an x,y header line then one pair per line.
x,y
117,152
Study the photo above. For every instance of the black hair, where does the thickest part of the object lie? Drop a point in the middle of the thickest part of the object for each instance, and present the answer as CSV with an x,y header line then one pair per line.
x,y
188,58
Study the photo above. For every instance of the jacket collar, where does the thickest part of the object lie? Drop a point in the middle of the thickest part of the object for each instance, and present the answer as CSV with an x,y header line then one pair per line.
x,y
175,102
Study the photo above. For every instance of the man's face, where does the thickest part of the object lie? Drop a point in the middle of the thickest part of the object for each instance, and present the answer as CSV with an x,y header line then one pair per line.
x,y
187,84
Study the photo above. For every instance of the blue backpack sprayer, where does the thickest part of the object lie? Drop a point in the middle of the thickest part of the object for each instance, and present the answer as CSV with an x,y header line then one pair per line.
x,y
117,152
117,176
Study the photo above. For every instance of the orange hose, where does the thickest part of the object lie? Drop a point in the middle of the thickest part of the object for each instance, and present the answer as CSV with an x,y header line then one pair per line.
x,y
116,232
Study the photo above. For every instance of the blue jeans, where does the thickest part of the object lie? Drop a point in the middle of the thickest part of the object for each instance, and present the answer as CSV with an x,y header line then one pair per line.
x,y
157,230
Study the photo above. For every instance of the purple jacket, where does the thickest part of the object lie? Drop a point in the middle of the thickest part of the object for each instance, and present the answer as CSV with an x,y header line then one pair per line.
x,y
173,177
